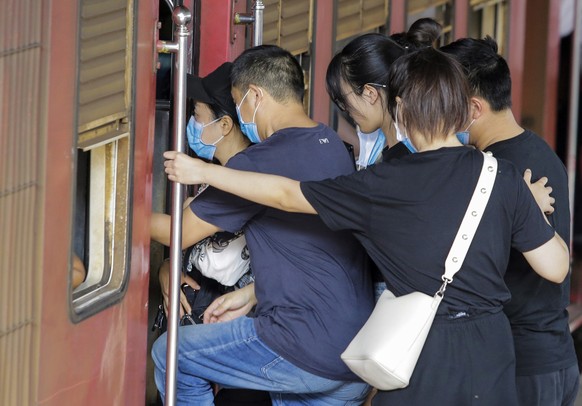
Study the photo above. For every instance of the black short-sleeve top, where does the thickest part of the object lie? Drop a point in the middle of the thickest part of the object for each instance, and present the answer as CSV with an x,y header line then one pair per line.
x,y
406,213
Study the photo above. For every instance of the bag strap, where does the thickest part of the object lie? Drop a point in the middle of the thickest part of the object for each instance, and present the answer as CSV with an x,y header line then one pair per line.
x,y
471,219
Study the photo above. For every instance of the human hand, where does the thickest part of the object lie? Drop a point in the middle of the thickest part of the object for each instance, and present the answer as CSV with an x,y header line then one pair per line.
x,y
164,277
183,168
232,305
540,192
79,271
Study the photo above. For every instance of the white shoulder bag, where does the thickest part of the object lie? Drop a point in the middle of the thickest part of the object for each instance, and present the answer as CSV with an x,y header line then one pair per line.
x,y
386,349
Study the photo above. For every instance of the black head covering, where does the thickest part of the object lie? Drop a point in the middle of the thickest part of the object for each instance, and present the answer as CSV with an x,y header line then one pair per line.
x,y
213,88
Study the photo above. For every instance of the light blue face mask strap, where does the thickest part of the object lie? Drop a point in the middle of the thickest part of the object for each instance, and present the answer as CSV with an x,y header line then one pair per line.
x,y
257,108
408,144
463,137
215,142
378,145
212,122
239,105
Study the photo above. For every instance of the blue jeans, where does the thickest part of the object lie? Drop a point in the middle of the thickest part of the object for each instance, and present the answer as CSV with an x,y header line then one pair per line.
x,y
232,355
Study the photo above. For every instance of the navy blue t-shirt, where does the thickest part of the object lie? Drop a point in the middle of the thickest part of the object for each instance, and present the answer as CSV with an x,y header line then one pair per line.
x,y
313,290
537,309
406,213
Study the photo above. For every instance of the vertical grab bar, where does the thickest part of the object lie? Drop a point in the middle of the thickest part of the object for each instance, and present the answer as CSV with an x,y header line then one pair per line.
x,y
181,17
573,124
256,18
258,10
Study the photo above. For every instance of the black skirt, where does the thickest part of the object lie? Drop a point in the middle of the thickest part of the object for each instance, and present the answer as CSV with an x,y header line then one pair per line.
x,y
466,361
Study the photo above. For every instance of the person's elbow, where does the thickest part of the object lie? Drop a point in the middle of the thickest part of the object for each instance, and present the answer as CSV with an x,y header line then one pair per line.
x,y
562,267
292,200
563,260
551,261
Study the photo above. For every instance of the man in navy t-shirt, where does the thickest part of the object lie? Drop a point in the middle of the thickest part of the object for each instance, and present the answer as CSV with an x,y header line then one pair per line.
x,y
312,290
546,363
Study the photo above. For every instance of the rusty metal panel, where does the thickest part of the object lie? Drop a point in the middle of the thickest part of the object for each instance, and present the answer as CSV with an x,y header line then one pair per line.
x,y
21,140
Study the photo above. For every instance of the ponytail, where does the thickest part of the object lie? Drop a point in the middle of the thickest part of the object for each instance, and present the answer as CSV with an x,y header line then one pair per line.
x,y
422,33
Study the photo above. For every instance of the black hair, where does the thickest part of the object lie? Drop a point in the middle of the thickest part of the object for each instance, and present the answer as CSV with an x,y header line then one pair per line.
x,y
486,70
367,59
422,33
218,111
272,68
434,93
364,60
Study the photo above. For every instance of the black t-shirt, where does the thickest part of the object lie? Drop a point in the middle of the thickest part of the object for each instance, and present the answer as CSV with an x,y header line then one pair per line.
x,y
406,213
398,150
537,309
313,291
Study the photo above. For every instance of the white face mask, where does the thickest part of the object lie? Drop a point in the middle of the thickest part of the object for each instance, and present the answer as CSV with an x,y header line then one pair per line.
x,y
371,145
402,137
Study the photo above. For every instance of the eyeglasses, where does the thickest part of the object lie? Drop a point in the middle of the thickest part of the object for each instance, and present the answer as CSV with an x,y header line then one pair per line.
x,y
376,85
341,103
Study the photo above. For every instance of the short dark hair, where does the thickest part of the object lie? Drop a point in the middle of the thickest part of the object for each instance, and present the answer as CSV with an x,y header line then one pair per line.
x,y
367,58
434,93
486,70
272,68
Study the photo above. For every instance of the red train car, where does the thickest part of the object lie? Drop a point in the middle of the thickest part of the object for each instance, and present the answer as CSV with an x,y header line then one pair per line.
x,y
86,107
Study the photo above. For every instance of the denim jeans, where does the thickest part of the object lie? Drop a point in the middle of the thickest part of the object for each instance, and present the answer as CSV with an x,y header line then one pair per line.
x,y
232,355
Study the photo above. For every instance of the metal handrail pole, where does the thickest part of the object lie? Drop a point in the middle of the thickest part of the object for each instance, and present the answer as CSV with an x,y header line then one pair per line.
x,y
170,4
258,10
181,17
573,111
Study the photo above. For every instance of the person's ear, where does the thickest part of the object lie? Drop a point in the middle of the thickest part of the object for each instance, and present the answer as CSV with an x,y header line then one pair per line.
x,y
398,108
370,93
226,125
478,107
256,95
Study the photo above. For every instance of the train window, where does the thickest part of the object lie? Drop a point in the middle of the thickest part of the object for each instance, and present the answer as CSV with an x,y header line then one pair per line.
x,y
104,154
359,16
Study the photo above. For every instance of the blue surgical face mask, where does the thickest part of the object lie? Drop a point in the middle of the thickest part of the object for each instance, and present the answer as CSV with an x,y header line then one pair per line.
x,y
402,137
371,145
194,135
463,136
248,129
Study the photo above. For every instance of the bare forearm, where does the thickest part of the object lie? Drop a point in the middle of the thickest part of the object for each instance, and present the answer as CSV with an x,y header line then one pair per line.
x,y
193,230
270,190
160,226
